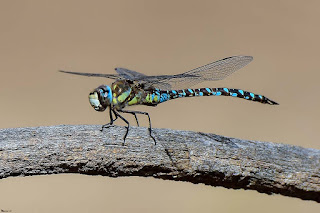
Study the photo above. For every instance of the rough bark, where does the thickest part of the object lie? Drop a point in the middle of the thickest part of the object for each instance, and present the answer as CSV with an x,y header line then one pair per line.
x,y
179,155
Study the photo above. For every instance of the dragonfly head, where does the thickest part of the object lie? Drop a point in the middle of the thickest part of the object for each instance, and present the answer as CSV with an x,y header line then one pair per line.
x,y
101,98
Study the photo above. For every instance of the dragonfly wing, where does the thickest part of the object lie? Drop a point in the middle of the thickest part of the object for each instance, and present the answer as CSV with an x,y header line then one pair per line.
x,y
214,71
129,74
148,81
177,83
111,76
159,85
219,70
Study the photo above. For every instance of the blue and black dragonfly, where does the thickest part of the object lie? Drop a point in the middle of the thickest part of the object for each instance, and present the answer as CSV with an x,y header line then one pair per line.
x,y
134,88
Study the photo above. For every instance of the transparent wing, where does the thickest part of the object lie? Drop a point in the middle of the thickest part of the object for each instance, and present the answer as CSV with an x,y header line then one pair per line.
x,y
219,70
129,74
122,74
214,71
111,76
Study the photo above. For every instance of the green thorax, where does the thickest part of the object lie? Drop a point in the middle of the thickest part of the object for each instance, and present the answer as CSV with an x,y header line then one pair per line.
x,y
128,93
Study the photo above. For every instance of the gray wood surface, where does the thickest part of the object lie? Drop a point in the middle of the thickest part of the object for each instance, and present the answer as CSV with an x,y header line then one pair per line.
x,y
179,155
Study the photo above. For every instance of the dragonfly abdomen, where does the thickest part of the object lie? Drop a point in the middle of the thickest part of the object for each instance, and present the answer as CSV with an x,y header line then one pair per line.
x,y
173,94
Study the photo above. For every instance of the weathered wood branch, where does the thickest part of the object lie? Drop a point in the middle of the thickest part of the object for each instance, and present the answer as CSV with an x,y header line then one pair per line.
x,y
179,155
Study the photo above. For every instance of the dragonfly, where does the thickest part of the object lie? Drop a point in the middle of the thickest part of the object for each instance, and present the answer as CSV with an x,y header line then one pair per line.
x,y
135,88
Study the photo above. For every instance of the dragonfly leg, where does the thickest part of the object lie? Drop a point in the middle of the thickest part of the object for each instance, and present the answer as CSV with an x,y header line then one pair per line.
x,y
111,120
118,115
133,113
143,113
135,116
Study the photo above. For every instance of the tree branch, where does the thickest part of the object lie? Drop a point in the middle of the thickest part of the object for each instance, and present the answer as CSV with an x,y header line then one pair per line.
x,y
179,155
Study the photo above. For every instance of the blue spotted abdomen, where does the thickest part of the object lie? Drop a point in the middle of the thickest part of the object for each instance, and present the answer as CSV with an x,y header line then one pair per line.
x,y
173,94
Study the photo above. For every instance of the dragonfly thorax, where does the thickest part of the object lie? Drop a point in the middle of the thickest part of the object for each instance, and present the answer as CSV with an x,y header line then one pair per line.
x,y
101,98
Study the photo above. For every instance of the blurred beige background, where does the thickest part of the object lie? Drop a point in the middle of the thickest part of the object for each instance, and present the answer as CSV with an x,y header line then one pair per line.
x,y
158,37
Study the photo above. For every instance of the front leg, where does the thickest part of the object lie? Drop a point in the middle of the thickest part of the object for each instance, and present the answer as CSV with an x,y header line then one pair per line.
x,y
110,124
